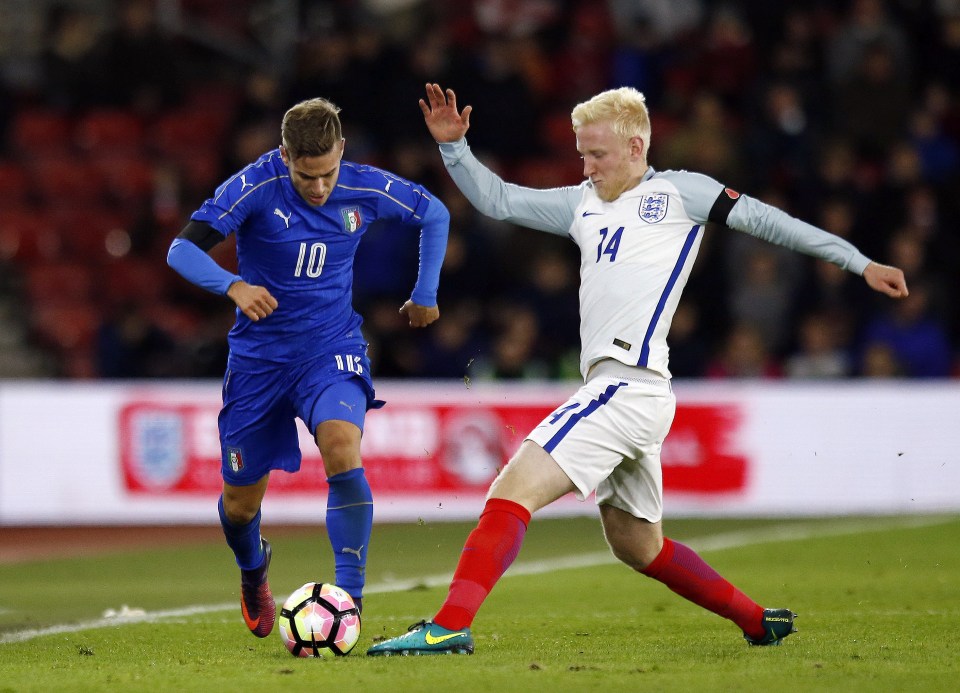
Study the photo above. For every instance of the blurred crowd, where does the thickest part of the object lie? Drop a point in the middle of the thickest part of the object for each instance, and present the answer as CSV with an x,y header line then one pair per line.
x,y
117,118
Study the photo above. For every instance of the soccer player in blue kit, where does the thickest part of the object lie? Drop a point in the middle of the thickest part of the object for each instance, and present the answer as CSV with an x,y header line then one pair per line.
x,y
296,349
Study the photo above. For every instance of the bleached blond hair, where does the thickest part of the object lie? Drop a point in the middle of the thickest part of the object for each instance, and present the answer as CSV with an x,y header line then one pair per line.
x,y
624,108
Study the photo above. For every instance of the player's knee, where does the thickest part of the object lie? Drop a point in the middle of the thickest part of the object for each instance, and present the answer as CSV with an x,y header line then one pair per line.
x,y
339,445
636,554
239,512
340,456
340,465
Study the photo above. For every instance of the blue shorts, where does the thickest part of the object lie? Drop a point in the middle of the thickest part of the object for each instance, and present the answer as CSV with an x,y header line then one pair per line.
x,y
258,431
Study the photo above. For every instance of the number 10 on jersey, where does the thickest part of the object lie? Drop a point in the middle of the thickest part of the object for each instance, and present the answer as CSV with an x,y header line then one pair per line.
x,y
317,256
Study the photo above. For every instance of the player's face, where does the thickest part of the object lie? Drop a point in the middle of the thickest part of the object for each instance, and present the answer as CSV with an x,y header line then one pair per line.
x,y
314,177
612,164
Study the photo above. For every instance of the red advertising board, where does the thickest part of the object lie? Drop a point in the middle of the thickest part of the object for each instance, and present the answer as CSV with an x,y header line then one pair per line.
x,y
170,448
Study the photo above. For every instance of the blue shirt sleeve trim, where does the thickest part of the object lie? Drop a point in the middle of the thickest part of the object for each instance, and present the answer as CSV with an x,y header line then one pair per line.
x,y
197,267
433,246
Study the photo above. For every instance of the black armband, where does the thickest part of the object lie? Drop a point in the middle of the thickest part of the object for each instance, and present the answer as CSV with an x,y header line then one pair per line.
x,y
723,205
201,235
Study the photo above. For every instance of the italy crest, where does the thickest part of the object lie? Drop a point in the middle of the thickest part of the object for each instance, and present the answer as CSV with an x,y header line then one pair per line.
x,y
351,218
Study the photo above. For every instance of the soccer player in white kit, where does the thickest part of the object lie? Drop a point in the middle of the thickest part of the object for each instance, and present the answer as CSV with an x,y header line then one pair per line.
x,y
638,231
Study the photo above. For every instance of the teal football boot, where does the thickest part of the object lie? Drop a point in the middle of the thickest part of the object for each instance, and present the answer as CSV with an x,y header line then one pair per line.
x,y
425,638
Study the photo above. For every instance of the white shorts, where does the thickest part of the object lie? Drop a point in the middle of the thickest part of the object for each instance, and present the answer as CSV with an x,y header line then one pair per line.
x,y
607,437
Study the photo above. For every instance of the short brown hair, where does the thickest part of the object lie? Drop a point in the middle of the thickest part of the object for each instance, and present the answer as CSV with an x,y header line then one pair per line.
x,y
311,128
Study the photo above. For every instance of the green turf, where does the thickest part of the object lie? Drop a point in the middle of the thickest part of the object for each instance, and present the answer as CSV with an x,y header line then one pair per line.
x,y
879,611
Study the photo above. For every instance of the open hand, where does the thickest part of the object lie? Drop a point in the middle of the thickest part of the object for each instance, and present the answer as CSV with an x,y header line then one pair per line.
x,y
440,114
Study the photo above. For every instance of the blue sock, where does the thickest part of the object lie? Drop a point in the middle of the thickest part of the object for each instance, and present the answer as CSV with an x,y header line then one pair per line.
x,y
349,522
243,539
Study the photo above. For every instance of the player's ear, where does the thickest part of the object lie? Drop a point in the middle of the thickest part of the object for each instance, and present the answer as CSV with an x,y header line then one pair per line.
x,y
284,156
638,147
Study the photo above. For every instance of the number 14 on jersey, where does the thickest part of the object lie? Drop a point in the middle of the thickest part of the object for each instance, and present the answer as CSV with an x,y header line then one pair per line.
x,y
612,245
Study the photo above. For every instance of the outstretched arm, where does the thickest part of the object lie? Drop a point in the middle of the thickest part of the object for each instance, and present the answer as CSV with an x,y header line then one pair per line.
x,y
776,226
545,210
440,113
886,279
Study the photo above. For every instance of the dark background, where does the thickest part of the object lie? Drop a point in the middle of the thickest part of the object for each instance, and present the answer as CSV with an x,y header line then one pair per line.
x,y
118,118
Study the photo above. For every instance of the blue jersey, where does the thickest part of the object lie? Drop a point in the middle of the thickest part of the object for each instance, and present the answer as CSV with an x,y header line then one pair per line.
x,y
303,254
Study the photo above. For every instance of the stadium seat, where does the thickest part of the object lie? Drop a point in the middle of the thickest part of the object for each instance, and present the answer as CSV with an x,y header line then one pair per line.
x,y
142,280
80,364
40,131
62,181
180,131
201,173
222,15
66,327
217,95
174,319
128,177
109,130
29,236
549,172
14,184
85,232
191,140
58,283
556,134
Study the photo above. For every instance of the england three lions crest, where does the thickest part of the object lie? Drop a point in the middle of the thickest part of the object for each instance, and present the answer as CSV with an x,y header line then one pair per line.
x,y
653,207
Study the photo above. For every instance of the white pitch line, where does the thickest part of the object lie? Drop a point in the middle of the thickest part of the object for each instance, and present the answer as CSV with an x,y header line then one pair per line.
x,y
727,540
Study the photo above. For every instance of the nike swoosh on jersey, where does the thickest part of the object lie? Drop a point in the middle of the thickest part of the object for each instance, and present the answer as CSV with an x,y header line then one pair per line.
x,y
435,639
591,214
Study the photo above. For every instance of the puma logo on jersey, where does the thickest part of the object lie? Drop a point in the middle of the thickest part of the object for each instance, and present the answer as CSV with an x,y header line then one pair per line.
x,y
285,217
243,183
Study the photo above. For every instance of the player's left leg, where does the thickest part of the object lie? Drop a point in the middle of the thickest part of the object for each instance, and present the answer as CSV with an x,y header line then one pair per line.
x,y
239,509
641,545
257,434
340,411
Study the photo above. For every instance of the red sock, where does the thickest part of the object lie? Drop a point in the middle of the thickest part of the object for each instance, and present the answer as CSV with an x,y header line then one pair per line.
x,y
684,572
488,552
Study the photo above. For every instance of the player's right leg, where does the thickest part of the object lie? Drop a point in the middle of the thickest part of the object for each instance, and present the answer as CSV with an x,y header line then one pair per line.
x,y
239,509
529,482
257,434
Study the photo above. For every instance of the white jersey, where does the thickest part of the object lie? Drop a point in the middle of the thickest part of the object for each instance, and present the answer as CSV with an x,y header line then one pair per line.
x,y
636,252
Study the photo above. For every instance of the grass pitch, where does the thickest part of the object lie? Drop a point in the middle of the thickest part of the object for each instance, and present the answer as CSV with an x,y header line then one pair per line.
x,y
878,601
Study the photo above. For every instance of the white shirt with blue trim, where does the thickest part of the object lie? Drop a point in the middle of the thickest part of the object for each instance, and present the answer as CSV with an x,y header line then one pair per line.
x,y
636,252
